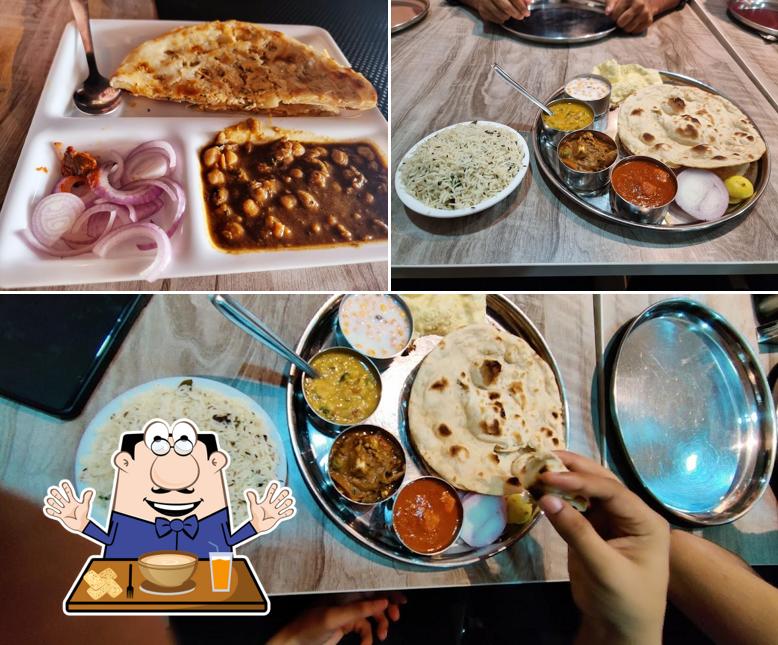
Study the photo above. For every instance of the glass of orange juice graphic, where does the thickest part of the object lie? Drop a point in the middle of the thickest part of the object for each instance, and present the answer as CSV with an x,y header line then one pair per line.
x,y
221,570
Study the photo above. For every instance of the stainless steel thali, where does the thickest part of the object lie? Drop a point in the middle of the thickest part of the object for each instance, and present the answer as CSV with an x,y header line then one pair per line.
x,y
563,22
372,528
693,411
598,203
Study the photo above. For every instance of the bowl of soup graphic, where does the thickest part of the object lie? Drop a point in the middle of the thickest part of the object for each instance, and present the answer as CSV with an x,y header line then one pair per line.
x,y
169,569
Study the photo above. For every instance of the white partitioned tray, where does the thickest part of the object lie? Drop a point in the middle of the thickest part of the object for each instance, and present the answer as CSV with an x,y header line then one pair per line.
x,y
137,120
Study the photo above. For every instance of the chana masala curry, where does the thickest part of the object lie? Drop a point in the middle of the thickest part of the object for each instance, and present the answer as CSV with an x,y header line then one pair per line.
x,y
267,189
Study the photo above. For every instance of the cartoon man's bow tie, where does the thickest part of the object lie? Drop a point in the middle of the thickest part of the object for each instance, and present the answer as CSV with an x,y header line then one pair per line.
x,y
190,525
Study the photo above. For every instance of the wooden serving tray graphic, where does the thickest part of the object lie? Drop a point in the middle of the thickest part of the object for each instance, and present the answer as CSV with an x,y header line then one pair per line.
x,y
245,596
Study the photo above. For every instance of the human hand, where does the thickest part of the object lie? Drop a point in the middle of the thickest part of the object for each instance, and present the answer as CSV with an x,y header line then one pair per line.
x,y
500,10
326,625
618,554
63,505
272,510
632,16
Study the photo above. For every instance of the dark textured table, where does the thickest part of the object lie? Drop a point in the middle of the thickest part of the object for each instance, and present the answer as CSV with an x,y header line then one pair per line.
x,y
358,26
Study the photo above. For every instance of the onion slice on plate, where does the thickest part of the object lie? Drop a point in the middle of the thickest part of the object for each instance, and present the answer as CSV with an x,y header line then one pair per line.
x,y
150,160
702,194
54,215
140,192
133,232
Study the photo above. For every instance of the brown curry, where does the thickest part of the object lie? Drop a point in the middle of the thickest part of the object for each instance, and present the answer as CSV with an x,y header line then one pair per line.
x,y
288,193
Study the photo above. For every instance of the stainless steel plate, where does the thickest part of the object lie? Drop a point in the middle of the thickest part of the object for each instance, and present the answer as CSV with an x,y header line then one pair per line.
x,y
598,204
311,445
761,15
563,22
694,412
406,13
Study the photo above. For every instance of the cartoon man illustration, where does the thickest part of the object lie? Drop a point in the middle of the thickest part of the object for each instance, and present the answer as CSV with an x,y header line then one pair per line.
x,y
169,494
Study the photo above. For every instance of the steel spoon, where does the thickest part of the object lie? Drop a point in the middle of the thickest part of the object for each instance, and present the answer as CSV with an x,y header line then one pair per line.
x,y
506,77
242,318
95,96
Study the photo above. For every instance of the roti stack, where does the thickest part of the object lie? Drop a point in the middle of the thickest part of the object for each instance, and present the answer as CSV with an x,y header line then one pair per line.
x,y
481,399
241,66
688,127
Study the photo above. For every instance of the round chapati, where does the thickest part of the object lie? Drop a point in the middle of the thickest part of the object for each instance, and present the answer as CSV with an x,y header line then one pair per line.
x,y
480,398
687,126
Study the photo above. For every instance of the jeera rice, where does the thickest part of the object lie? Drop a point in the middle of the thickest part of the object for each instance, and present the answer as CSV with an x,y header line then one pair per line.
x,y
242,434
462,166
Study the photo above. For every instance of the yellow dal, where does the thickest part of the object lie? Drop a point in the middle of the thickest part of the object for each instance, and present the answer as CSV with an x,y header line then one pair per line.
x,y
568,116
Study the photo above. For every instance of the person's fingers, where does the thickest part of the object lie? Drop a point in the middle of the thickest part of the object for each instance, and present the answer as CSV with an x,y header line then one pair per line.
x,y
393,611
54,503
577,532
286,503
287,513
336,617
88,495
639,23
618,8
52,512
521,7
506,7
335,637
397,597
580,464
626,512
490,12
609,6
628,16
281,496
365,631
381,625
252,497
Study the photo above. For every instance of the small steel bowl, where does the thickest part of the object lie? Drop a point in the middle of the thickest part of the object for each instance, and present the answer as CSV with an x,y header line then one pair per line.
x,y
599,106
329,425
459,507
382,362
634,212
378,430
555,136
585,181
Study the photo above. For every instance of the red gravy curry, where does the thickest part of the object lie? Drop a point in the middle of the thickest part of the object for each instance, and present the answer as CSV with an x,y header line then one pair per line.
x,y
286,193
427,516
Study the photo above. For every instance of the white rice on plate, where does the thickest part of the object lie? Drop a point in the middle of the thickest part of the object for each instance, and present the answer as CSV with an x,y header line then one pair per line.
x,y
243,435
462,166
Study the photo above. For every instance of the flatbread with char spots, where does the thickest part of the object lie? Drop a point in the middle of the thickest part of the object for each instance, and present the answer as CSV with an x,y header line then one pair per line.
x,y
479,400
237,65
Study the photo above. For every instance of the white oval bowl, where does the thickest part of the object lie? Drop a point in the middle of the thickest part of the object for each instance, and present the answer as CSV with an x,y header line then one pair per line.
x,y
421,208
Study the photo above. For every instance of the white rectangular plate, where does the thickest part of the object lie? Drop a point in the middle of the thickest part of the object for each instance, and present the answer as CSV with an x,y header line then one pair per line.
x,y
138,120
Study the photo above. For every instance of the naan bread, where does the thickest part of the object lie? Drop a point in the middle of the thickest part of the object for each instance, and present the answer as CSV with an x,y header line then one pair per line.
x,y
241,66
686,126
528,467
478,400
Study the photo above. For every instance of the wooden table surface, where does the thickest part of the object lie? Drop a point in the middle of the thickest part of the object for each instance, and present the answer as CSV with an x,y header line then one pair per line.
x,y
180,334
441,75
29,34
755,54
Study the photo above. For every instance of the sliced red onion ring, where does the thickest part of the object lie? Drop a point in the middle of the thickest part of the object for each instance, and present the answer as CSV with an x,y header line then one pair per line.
x,y
58,252
150,160
147,210
142,229
54,216
116,172
177,196
92,224
136,193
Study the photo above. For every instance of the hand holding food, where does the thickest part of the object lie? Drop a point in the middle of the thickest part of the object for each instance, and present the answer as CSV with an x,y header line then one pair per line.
x,y
72,512
618,554
500,10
